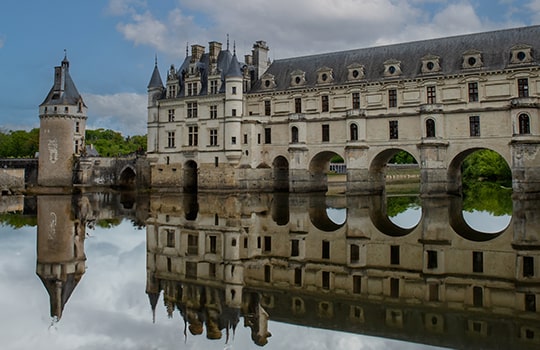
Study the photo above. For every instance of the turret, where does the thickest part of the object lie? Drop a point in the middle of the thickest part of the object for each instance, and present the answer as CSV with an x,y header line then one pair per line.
x,y
155,92
62,126
234,103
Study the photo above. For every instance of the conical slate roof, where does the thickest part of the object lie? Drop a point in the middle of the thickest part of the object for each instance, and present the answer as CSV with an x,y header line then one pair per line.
x,y
155,80
64,91
234,68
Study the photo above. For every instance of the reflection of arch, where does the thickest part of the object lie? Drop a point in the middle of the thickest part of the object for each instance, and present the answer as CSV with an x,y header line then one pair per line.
x,y
318,168
377,169
380,219
294,134
128,177
524,124
280,208
460,226
190,176
319,215
281,173
430,127
191,206
353,128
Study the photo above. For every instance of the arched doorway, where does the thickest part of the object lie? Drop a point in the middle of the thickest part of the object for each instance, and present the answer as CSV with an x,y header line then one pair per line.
x,y
128,178
280,168
190,177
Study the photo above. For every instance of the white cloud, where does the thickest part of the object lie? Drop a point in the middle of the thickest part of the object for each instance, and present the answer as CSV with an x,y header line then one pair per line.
x,y
122,7
121,111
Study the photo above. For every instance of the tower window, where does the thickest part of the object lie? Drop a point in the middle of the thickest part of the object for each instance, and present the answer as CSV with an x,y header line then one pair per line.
x,y
474,125
77,127
393,127
325,133
392,98
298,105
324,103
524,124
233,90
171,115
213,112
431,94
267,109
356,100
430,128
354,132
523,87
294,134
473,92
170,139
267,135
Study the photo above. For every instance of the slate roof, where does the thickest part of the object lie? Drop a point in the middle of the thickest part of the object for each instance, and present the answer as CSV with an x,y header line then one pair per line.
x,y
68,94
495,48
155,80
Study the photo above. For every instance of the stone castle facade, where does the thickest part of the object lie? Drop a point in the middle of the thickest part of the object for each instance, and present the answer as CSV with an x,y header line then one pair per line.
x,y
217,123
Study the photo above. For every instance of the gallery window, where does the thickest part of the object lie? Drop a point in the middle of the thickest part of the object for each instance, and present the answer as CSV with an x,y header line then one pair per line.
x,y
294,134
392,98
474,125
524,124
430,128
473,92
170,139
324,103
523,87
356,100
325,133
192,109
431,94
353,132
298,105
171,115
267,108
193,136
393,128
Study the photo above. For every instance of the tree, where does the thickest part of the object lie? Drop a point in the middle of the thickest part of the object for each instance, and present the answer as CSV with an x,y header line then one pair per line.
x,y
486,165
110,143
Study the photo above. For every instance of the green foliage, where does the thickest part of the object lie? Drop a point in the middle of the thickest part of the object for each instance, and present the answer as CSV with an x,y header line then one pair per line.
x,y
399,204
486,165
108,223
487,196
110,143
402,157
19,144
337,159
17,220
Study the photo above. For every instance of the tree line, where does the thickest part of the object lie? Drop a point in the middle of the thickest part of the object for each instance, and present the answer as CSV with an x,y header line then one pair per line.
x,y
108,143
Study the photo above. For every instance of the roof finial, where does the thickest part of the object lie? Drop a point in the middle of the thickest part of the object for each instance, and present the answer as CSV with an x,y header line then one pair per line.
x,y
187,48
65,54
234,47
227,41
155,60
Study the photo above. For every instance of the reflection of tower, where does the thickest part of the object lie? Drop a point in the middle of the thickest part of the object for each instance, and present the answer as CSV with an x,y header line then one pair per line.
x,y
60,246
61,129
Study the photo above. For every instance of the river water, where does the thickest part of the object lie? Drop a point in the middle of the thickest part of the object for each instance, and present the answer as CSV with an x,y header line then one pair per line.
x,y
225,271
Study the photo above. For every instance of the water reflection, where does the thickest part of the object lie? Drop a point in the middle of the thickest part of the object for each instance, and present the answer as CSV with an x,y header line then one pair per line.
x,y
227,263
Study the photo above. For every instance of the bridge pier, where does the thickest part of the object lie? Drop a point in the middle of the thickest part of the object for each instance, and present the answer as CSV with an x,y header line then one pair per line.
x,y
433,168
302,180
362,182
525,152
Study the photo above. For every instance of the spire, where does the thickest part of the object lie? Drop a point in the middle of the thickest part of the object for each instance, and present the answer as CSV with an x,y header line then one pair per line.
x,y
63,91
227,41
155,80
234,68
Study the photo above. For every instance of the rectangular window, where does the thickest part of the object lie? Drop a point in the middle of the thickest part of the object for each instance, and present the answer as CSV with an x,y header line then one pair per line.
x,y
213,86
170,139
170,238
233,112
213,137
233,140
325,133
478,296
433,292
193,135
213,112
355,253
431,259
192,109
267,244
216,162
478,261
171,115
212,270
267,135
326,280
394,254
324,103
213,244
193,245
267,109
356,100
530,302
245,139
77,127
394,287
233,90
267,273
259,139
325,249
191,269
393,126
357,284
295,247
297,105
171,91
473,92
191,89
431,95
298,276
474,125
528,266
392,98
523,87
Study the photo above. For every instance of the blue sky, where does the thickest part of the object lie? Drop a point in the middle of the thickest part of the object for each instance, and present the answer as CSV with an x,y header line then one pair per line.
x,y
111,44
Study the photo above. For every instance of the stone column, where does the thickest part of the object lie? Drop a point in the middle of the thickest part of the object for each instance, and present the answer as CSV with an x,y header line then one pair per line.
x,y
525,153
433,167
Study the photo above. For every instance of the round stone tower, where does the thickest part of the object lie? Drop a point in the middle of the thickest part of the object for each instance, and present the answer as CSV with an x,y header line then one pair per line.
x,y
62,124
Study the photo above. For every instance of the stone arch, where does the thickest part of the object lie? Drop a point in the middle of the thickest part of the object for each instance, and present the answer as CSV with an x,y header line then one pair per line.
x,y
318,169
454,181
128,177
190,176
280,173
377,168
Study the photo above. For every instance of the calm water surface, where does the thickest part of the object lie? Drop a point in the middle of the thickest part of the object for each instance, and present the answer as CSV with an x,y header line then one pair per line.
x,y
119,271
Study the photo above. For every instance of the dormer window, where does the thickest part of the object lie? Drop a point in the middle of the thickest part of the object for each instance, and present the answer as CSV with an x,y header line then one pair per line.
x,y
325,75
268,81
430,64
356,72
392,68
298,78
521,54
472,59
